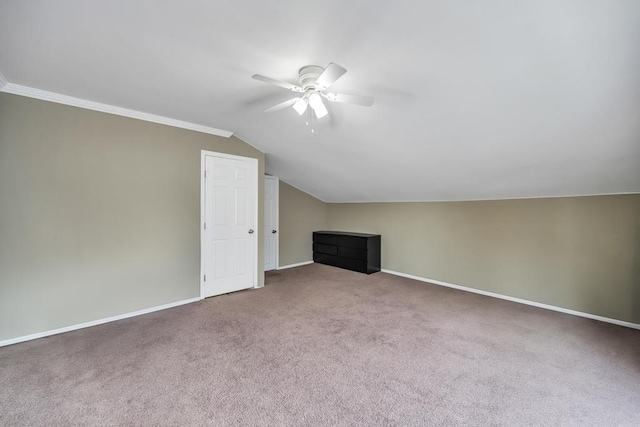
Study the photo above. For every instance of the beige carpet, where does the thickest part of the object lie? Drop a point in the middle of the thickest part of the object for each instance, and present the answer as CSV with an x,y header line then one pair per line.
x,y
324,346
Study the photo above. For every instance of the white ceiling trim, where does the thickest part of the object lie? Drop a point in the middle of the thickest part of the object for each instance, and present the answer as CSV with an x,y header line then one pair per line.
x,y
628,193
105,108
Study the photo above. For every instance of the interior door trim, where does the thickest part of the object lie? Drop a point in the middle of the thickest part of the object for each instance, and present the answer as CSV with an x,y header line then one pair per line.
x,y
256,243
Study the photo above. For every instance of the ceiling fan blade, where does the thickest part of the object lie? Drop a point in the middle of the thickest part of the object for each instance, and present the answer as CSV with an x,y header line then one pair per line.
x,y
282,105
366,101
330,74
269,80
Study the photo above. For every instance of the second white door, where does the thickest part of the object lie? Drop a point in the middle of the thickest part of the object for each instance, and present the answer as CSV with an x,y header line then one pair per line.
x,y
271,202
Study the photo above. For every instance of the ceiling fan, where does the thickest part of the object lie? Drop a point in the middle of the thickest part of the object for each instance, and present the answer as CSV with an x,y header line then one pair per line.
x,y
314,82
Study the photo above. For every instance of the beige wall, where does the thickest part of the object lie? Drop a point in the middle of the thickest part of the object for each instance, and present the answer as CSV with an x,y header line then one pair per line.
x,y
99,214
580,253
300,215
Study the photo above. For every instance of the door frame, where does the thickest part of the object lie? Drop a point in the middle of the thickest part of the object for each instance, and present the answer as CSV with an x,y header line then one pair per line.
x,y
277,180
254,164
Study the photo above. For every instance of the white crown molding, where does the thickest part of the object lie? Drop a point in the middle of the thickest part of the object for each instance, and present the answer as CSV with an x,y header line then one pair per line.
x,y
105,108
567,196
517,300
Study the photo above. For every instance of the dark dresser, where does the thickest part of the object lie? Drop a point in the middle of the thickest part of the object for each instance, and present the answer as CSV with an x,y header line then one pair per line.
x,y
353,251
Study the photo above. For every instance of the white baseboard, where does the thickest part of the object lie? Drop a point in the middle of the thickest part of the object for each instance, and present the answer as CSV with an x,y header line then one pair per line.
x,y
294,265
518,300
96,322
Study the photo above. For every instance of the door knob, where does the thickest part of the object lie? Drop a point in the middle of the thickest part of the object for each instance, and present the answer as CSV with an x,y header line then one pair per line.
x,y
274,231
250,231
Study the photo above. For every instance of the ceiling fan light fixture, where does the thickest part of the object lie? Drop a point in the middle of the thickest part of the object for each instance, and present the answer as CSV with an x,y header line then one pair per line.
x,y
300,106
317,105
321,111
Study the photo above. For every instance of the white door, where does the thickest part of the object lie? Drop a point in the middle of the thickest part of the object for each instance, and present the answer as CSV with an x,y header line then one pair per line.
x,y
270,223
229,224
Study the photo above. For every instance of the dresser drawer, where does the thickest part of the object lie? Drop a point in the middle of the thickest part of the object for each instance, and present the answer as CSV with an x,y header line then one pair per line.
x,y
328,239
352,242
352,264
325,259
353,253
325,249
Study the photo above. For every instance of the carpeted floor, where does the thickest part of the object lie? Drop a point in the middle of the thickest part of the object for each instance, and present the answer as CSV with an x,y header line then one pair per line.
x,y
324,346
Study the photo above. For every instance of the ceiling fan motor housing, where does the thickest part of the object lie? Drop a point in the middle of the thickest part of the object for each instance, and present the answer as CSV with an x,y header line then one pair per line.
x,y
308,76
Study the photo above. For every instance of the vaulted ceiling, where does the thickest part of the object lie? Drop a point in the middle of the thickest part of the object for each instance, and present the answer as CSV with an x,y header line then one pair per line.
x,y
474,99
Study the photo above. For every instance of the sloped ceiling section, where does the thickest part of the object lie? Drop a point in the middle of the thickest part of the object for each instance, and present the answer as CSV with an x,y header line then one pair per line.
x,y
474,100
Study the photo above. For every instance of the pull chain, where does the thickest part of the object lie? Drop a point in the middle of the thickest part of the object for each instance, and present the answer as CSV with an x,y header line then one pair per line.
x,y
307,118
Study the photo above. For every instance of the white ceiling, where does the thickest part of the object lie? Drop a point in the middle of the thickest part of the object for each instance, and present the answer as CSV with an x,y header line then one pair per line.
x,y
474,99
